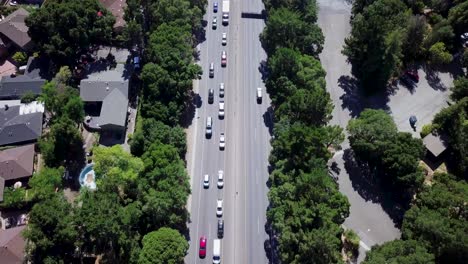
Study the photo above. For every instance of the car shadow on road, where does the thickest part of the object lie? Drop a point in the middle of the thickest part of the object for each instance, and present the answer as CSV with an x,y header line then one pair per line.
x,y
368,186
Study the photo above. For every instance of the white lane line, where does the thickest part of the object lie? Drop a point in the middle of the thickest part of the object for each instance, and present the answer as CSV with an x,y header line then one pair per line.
x,y
258,225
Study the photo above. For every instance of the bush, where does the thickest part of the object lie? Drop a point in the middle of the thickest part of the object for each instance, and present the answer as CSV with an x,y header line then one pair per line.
x,y
28,97
426,130
351,243
20,57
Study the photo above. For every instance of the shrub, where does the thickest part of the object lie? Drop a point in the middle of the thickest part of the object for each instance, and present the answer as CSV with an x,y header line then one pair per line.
x,y
426,130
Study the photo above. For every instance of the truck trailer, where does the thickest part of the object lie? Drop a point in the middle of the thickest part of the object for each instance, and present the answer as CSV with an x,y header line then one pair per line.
x,y
225,12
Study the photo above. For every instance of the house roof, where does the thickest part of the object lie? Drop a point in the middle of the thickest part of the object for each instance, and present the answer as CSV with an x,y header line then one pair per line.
x,y
16,162
434,144
14,28
110,88
12,245
15,87
117,8
20,123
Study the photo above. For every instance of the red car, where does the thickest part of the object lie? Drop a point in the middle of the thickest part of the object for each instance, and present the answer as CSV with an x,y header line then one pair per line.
x,y
223,59
202,250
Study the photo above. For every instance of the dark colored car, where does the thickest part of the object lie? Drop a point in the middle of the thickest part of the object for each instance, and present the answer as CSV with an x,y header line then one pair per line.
x,y
202,250
210,96
220,228
215,7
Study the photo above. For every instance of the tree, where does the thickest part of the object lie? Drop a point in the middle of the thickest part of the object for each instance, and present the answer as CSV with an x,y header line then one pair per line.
x,y
20,57
399,251
153,131
163,187
413,38
438,221
45,183
61,28
458,17
164,246
63,145
459,89
61,100
285,28
370,132
28,97
74,109
374,47
440,32
116,162
51,231
439,55
63,76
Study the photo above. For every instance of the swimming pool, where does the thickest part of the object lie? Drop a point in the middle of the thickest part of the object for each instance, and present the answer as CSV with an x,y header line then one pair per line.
x,y
87,177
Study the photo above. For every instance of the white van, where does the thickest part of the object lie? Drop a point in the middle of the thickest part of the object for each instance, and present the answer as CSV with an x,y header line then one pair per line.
x,y
209,126
216,251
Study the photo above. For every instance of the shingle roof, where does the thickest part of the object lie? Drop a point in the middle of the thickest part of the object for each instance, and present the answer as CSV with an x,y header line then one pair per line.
x,y
14,28
12,245
434,144
15,87
117,8
17,162
111,89
17,127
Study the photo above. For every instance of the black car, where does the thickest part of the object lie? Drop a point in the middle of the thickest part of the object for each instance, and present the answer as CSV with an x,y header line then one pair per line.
x,y
210,96
220,228
215,7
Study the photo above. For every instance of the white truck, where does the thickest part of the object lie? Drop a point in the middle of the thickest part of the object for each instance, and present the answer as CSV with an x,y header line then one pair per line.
x,y
225,12
216,251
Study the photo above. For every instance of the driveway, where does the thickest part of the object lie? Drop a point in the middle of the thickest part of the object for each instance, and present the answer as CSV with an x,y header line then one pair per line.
x,y
373,214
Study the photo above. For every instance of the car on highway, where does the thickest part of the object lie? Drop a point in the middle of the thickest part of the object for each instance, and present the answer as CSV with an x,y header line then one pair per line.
x,y
223,58
222,141
215,7
209,127
214,23
220,228
224,39
220,179
210,96
221,110
221,90
219,208
259,95
211,71
206,181
202,247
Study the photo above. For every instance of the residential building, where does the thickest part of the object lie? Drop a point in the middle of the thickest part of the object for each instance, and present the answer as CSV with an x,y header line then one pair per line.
x,y
117,8
14,87
20,123
14,32
16,165
12,245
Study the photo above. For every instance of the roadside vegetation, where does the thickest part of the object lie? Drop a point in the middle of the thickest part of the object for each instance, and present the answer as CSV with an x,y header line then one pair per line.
x,y
306,209
139,207
387,37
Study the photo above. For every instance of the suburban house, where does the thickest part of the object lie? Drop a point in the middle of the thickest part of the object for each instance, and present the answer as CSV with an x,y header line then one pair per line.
x,y
16,165
105,94
12,245
14,87
435,145
20,123
116,7
14,32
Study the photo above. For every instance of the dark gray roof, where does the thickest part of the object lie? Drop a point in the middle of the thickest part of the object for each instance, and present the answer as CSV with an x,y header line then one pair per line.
x,y
110,88
15,29
15,87
16,128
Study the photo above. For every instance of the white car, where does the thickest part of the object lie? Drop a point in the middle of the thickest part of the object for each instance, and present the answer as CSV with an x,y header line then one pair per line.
x,y
214,24
221,109
222,141
219,208
224,39
220,179
221,90
259,95
206,181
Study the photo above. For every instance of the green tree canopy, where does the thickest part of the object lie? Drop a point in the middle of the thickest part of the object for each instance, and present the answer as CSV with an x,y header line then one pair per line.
x,y
61,28
45,182
117,163
153,131
401,252
459,89
164,246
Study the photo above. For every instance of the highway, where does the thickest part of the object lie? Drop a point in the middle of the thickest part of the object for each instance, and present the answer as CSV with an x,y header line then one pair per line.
x,y
245,158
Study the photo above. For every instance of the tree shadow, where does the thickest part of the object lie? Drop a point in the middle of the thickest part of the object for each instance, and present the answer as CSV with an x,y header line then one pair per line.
x,y
268,120
271,244
200,33
263,69
194,101
352,97
366,182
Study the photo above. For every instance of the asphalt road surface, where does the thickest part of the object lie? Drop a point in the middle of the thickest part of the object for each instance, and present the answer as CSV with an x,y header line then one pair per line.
x,y
245,158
